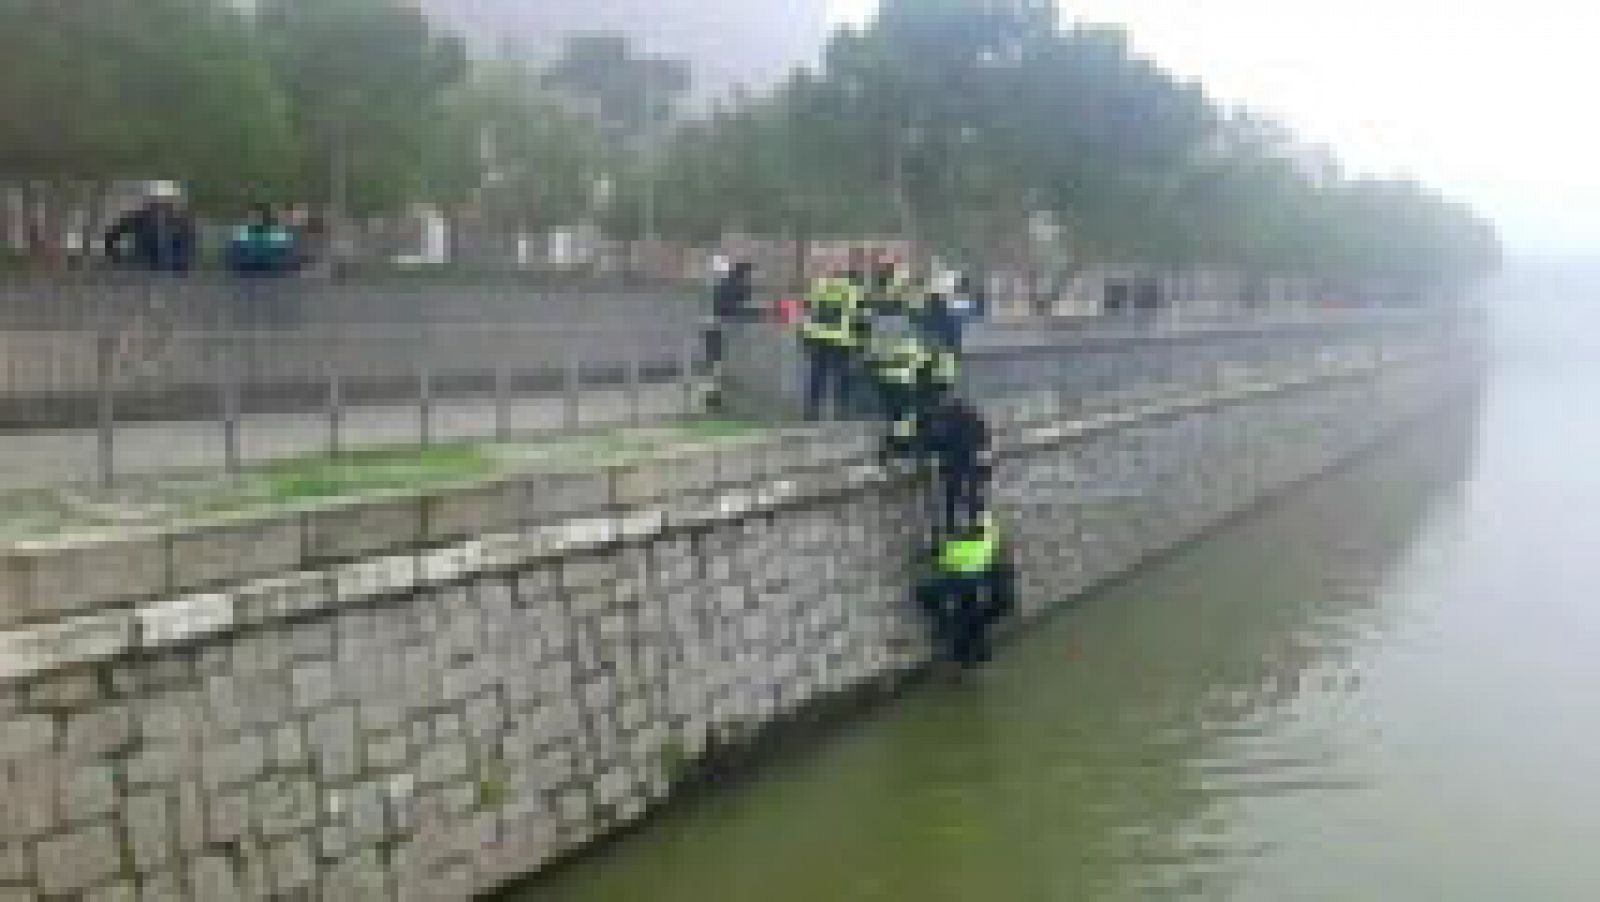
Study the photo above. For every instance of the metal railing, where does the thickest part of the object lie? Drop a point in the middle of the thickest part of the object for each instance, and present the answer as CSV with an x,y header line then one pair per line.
x,y
98,404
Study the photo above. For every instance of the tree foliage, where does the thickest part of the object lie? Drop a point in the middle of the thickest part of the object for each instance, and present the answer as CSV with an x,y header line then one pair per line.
x,y
962,123
119,89
366,81
630,95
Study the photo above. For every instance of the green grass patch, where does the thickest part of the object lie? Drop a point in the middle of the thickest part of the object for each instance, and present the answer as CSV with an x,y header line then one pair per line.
x,y
718,428
373,470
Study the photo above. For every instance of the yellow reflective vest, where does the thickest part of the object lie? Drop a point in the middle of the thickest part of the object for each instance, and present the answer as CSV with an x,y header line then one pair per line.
x,y
899,360
971,556
831,313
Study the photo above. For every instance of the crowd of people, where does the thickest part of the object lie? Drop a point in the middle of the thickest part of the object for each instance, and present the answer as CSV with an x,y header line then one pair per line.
x,y
880,344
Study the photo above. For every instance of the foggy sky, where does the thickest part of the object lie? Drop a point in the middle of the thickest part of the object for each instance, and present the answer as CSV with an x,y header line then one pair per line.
x,y
1489,101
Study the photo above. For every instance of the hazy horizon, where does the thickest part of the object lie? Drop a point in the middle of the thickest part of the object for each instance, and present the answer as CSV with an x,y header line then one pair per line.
x,y
1483,104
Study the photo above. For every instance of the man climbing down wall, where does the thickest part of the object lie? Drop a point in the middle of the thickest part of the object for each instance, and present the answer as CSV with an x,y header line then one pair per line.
x,y
971,589
957,439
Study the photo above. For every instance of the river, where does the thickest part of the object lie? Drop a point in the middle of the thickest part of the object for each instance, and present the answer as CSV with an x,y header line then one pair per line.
x,y
1382,687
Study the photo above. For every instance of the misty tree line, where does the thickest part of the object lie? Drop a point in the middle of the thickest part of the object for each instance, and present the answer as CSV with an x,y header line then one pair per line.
x,y
983,128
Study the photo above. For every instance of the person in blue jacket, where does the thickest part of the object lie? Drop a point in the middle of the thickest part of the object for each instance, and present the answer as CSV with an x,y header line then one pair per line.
x,y
261,246
261,249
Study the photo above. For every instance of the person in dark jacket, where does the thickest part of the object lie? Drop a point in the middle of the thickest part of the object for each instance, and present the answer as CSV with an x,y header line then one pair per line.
x,y
732,300
971,587
157,237
957,438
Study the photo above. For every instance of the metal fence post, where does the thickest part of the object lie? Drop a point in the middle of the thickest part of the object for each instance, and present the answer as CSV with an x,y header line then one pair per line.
x,y
231,401
105,404
635,389
425,388
502,398
687,354
571,388
335,401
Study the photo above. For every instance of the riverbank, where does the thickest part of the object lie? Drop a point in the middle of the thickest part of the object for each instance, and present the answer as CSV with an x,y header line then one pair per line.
x,y
429,698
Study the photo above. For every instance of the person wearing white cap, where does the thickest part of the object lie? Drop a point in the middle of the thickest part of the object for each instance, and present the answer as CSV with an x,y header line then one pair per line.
x,y
159,236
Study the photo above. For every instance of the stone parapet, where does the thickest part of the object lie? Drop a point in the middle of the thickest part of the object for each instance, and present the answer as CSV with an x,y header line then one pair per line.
x,y
426,696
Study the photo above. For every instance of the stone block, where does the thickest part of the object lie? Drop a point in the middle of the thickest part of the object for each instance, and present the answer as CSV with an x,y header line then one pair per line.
x,y
233,763
367,812
335,743
45,580
184,619
466,511
147,824
279,597
162,886
579,574
443,763
282,806
74,861
87,792
388,751
14,867
227,816
26,736
154,763
116,891
579,535
293,866
31,651
739,463
366,579
358,878
548,497
451,563
360,529
233,552
311,685
213,877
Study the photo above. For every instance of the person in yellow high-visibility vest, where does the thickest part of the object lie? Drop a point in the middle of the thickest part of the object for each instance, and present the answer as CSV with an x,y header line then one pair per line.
x,y
829,334
972,588
897,361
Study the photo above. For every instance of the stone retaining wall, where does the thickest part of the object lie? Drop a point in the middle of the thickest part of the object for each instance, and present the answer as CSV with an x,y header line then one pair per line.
x,y
429,698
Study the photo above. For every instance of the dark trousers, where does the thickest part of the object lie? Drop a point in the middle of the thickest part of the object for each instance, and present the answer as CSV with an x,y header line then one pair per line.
x,y
827,376
715,346
898,405
964,486
897,401
962,612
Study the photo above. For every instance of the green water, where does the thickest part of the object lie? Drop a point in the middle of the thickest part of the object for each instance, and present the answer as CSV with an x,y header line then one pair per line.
x,y
1386,687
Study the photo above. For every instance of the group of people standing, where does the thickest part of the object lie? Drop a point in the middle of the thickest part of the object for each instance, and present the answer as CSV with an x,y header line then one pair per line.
x,y
878,341
878,344
161,236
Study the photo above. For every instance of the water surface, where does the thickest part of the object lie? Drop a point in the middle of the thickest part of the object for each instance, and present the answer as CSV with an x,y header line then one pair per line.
x,y
1386,686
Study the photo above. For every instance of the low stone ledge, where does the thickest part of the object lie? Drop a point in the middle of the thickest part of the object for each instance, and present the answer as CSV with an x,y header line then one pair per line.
x,y
51,580
169,586
357,528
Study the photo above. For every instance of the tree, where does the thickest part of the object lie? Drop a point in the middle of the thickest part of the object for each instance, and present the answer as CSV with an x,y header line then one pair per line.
x,y
139,89
631,96
367,82
517,150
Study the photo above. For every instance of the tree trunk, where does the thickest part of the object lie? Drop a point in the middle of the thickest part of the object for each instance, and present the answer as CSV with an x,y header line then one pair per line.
x,y
97,198
43,204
